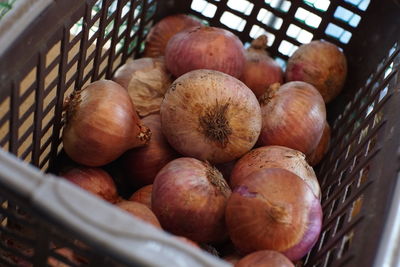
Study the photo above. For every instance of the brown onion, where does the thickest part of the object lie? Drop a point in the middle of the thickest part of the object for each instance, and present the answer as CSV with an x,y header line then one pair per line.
x,y
205,48
146,80
101,124
321,64
275,157
142,164
140,211
162,31
143,195
260,70
273,209
211,116
189,198
93,180
293,115
322,147
265,258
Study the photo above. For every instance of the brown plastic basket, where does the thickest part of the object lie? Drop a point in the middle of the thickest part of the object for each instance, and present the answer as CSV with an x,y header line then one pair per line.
x,y
50,48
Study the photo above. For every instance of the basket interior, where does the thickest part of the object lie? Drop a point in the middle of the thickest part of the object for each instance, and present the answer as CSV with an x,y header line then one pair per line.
x,y
90,39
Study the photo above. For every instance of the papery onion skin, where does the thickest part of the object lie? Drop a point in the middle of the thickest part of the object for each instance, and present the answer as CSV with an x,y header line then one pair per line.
x,y
139,211
189,198
142,164
210,116
265,258
260,70
146,80
322,147
275,157
162,31
205,48
143,195
293,115
273,209
101,124
321,64
93,180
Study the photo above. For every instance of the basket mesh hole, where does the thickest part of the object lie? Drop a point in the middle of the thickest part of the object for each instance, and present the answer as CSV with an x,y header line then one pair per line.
x,y
233,21
321,5
299,34
383,93
356,208
242,6
269,19
339,33
377,118
282,5
307,18
345,244
52,54
203,7
347,16
371,144
330,257
287,48
361,4
257,31
363,176
4,123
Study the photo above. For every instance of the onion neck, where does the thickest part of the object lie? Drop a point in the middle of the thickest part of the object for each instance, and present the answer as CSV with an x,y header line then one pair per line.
x,y
269,94
143,137
217,180
70,105
259,45
278,213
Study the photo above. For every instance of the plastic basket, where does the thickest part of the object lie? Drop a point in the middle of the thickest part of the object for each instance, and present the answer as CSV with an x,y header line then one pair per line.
x,y
50,48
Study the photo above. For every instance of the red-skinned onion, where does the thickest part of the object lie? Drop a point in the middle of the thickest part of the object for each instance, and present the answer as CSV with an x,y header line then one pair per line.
x,y
162,31
210,116
293,115
140,211
273,209
142,164
143,195
101,124
205,48
322,147
260,70
265,258
189,198
93,180
321,64
275,157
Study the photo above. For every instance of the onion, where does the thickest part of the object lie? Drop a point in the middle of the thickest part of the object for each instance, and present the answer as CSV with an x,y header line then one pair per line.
x,y
293,115
93,180
273,209
226,168
210,116
275,157
189,198
205,48
232,258
260,70
322,147
321,64
160,33
142,164
146,80
143,195
140,211
101,124
264,258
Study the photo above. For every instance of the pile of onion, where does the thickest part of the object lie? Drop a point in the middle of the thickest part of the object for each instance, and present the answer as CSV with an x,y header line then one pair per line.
x,y
205,48
210,116
160,33
321,64
142,164
293,115
189,198
101,124
143,195
146,80
140,211
273,209
93,180
260,70
265,258
275,157
322,147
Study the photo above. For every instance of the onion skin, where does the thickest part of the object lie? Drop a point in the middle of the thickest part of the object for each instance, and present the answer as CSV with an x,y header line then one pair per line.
x,y
189,198
321,64
260,70
140,211
162,31
95,181
264,258
322,146
142,164
275,157
210,116
101,124
143,195
293,115
205,48
273,209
